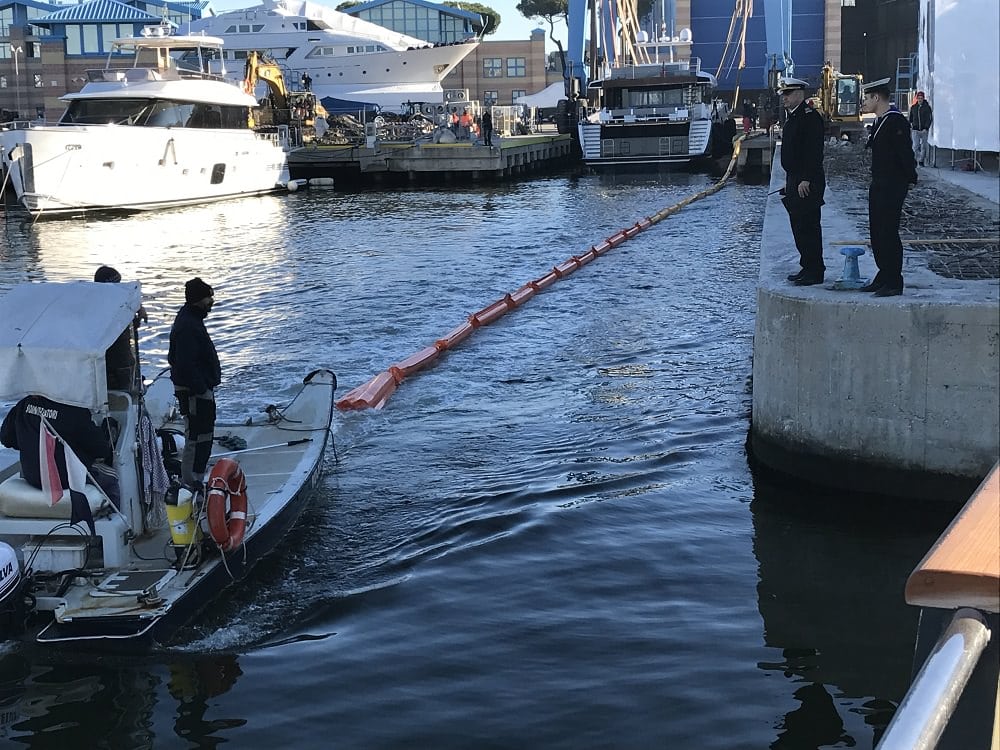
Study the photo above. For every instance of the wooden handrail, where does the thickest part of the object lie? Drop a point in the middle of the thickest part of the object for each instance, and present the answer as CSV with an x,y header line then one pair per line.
x,y
962,569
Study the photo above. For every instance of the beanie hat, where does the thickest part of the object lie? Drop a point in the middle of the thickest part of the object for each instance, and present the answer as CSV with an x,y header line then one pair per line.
x,y
196,290
107,274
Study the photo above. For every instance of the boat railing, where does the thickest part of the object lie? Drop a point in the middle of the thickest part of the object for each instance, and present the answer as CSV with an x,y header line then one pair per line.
x,y
137,75
960,574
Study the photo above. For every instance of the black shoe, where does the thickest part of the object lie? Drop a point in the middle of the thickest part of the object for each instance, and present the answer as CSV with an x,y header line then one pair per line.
x,y
889,291
808,280
873,287
795,276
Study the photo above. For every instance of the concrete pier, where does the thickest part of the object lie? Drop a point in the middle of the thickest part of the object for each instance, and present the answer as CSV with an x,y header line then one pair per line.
x,y
463,161
895,395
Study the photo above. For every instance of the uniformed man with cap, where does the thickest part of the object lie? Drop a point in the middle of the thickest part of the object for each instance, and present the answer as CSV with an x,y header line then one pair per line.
x,y
894,169
805,181
195,372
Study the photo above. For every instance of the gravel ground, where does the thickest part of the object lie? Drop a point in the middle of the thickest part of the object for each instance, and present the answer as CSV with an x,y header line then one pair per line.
x,y
935,210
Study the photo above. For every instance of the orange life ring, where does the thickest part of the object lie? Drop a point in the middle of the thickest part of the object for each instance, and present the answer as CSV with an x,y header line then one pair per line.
x,y
227,485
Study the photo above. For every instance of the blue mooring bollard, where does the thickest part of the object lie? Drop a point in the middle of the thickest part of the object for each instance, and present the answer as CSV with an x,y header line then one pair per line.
x,y
851,278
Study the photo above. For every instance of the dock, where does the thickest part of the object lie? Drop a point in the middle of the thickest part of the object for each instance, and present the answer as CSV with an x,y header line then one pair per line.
x,y
756,154
419,161
895,396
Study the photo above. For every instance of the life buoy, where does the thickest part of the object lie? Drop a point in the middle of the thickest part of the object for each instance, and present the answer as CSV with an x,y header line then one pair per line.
x,y
227,486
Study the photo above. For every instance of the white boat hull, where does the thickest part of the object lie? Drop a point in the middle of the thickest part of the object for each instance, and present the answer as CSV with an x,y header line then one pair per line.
x,y
70,168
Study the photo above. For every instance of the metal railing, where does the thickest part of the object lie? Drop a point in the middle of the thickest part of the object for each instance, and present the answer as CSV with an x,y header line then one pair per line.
x,y
928,705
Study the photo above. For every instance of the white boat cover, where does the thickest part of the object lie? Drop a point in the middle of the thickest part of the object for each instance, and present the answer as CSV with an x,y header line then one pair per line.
x,y
53,338
958,51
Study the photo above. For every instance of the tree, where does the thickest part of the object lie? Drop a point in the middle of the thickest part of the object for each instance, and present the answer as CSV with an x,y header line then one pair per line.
x,y
549,11
491,19
347,5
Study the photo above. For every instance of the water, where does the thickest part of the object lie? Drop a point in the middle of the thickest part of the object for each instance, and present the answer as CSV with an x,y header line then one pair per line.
x,y
551,538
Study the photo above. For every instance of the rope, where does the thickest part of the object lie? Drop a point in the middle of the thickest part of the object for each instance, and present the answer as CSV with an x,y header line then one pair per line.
x,y
374,393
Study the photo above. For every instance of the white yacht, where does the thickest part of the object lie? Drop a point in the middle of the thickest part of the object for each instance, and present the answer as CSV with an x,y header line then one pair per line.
x,y
158,133
348,59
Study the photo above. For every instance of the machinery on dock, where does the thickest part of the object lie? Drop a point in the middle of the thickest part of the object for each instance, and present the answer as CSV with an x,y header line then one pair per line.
x,y
838,99
280,106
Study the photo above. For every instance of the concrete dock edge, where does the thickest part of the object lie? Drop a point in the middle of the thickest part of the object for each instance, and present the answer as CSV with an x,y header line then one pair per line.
x,y
897,396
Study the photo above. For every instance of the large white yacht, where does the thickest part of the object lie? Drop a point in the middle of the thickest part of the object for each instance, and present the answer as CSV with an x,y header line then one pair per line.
x,y
347,58
159,132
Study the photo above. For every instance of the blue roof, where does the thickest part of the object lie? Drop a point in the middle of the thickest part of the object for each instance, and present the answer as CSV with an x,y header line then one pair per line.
x,y
446,9
98,11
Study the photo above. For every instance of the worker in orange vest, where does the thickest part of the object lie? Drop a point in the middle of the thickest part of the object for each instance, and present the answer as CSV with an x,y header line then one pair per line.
x,y
464,124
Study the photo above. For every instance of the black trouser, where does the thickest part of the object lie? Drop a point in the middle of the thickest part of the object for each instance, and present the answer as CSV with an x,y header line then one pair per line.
x,y
488,136
885,204
199,432
804,217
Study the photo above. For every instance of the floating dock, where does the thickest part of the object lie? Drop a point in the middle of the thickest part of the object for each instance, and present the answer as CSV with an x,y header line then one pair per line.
x,y
417,161
756,154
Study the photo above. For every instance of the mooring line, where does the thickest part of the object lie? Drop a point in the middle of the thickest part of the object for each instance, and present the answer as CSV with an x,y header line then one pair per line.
x,y
375,393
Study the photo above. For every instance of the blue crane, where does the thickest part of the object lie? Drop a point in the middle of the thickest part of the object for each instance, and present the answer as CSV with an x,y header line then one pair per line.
x,y
778,29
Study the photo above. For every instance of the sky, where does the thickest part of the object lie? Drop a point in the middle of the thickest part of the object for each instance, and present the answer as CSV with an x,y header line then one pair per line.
x,y
512,24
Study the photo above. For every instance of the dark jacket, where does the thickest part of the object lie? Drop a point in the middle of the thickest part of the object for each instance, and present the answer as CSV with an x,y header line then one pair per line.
x,y
802,153
73,424
921,116
893,163
194,363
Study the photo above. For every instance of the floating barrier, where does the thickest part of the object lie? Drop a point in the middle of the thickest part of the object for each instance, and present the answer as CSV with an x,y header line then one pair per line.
x,y
375,393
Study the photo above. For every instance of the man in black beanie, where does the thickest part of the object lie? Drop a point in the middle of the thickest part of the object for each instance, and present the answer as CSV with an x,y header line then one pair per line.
x,y
195,372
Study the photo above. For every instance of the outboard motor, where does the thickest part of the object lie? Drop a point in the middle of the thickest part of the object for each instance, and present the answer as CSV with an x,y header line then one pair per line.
x,y
12,613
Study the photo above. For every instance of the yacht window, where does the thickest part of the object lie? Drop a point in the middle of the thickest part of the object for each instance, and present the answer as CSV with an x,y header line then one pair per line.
x,y
230,30
107,111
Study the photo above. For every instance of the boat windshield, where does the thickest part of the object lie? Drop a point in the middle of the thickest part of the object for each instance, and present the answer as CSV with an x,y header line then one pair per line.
x,y
155,113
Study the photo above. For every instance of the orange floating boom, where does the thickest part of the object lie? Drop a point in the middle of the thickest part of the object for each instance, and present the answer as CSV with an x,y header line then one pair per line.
x,y
375,393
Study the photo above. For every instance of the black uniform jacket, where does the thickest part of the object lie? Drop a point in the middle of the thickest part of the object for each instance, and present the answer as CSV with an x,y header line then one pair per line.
x,y
73,424
893,163
802,155
194,363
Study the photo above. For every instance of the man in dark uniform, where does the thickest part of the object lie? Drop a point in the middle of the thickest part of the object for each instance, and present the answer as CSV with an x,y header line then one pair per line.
x,y
195,372
805,181
893,171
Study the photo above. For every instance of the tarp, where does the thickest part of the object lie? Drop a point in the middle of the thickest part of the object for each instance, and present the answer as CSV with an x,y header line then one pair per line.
x,y
547,97
958,67
53,338
340,106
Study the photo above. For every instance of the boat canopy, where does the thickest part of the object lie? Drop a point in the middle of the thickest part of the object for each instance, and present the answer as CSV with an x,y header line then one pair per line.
x,y
54,337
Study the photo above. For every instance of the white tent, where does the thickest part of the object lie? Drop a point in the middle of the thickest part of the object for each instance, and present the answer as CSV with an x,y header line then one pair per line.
x,y
547,97
961,75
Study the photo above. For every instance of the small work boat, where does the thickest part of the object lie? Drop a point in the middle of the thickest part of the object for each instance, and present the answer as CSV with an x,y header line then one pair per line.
x,y
163,553
169,130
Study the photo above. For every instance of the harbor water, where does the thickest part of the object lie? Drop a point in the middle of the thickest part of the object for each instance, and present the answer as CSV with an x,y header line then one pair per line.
x,y
551,538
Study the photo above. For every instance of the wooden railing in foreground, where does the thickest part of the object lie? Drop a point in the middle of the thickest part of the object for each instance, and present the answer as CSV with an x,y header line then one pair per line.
x,y
961,572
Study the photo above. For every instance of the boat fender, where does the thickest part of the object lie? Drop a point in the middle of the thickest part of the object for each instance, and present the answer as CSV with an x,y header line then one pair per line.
x,y
227,486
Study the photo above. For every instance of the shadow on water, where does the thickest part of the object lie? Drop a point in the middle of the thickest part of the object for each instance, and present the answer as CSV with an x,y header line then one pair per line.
x,y
60,699
832,570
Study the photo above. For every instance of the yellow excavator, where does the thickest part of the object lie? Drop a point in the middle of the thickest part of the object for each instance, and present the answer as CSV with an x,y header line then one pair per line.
x,y
839,101
280,106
